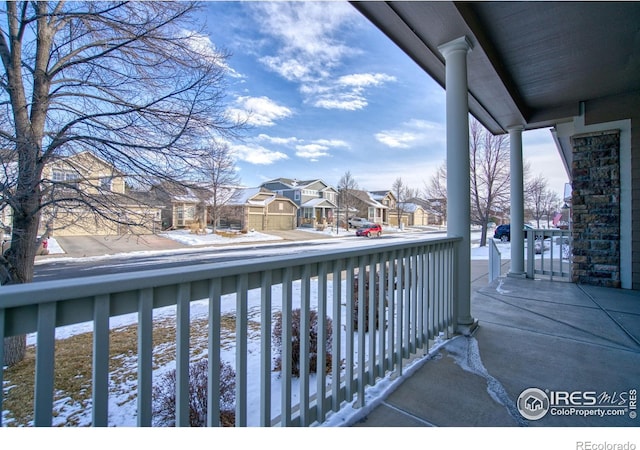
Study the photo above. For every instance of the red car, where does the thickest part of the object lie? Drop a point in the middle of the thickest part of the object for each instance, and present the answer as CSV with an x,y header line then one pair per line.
x,y
369,230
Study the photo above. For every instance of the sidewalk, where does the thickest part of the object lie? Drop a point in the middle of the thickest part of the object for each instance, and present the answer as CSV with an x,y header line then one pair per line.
x,y
553,336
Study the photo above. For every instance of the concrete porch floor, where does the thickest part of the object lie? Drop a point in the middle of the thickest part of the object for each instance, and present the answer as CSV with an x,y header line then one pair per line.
x,y
553,336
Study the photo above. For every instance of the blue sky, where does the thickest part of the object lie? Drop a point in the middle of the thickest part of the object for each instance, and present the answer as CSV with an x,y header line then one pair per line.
x,y
329,93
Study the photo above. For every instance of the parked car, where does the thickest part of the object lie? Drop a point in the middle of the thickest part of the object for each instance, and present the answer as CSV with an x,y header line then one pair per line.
x,y
503,232
355,222
369,230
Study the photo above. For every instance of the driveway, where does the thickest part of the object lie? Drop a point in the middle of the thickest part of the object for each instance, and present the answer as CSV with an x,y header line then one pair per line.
x,y
81,246
296,235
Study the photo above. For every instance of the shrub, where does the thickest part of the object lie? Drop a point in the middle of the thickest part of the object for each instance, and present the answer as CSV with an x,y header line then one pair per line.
x,y
164,396
295,342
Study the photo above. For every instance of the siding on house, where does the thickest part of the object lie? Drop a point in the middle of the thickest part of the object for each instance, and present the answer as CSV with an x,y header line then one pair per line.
x,y
98,201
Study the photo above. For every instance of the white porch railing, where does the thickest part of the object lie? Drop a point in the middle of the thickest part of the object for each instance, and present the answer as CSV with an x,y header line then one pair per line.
x,y
548,253
413,300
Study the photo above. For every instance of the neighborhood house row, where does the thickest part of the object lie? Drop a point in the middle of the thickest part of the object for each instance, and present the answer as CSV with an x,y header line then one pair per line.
x,y
94,199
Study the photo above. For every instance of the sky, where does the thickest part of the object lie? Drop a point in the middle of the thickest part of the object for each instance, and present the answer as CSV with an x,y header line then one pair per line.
x,y
329,93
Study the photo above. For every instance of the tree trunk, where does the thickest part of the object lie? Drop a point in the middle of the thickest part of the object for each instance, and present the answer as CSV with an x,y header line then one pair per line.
x,y
483,235
18,260
15,348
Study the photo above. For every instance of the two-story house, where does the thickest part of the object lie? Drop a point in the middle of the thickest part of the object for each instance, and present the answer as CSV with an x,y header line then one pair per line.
x,y
368,207
260,209
89,196
388,200
316,200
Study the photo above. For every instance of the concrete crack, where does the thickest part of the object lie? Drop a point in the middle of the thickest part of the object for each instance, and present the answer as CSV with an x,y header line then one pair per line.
x,y
466,354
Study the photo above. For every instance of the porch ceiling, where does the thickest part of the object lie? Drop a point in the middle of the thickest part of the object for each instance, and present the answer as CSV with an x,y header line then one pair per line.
x,y
533,63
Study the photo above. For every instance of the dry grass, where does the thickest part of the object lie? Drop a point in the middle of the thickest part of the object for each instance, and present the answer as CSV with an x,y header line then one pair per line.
x,y
73,363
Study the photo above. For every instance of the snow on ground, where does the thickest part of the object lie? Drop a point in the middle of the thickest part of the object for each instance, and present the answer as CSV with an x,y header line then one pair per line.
x,y
123,407
210,238
123,404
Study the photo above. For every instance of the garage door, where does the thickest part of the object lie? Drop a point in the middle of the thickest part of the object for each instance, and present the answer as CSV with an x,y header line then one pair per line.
x,y
255,222
284,222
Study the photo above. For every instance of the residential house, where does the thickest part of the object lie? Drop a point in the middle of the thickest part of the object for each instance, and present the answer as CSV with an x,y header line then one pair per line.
x,y
415,213
260,209
366,206
395,216
183,205
189,204
388,200
316,200
433,208
91,198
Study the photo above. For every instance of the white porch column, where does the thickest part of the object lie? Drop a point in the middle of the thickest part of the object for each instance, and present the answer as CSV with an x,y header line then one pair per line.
x,y
517,203
458,186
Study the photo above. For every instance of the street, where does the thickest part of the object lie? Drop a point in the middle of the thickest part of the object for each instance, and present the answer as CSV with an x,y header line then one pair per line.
x,y
62,268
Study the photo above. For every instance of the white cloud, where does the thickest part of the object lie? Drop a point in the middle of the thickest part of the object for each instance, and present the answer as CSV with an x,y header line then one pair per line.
x,y
343,102
311,47
202,45
289,68
347,92
332,143
312,151
256,154
397,139
308,33
413,134
278,140
319,148
365,79
259,111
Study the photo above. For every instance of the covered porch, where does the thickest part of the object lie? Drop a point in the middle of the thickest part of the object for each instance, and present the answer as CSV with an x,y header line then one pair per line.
x,y
550,335
497,62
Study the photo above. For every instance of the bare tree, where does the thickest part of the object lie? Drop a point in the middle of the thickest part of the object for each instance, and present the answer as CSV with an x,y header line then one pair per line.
x,y
541,201
489,157
130,82
436,191
221,178
346,186
489,176
402,193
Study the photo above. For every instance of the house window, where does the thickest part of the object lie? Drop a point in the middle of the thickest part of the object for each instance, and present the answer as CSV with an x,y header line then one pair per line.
x,y
106,183
65,176
280,207
296,195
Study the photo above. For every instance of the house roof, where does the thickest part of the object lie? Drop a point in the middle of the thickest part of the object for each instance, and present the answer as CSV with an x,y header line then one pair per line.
x,y
75,160
318,203
293,183
410,207
380,195
257,196
367,198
